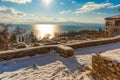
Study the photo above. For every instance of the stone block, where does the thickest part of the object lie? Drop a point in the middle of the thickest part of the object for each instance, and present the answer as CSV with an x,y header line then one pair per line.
x,y
65,51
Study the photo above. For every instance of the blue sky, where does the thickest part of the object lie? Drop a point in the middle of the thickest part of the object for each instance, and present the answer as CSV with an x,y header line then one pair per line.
x,y
88,11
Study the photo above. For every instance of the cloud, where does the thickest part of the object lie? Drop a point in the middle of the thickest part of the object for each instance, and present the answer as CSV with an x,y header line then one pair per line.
x,y
91,6
99,13
52,19
37,19
114,6
65,12
10,12
46,19
18,1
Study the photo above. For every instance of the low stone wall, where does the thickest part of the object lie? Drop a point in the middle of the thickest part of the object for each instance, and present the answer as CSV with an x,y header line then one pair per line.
x,y
11,54
65,51
106,66
94,43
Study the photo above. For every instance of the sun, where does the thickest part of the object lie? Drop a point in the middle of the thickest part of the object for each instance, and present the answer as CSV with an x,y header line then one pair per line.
x,y
47,2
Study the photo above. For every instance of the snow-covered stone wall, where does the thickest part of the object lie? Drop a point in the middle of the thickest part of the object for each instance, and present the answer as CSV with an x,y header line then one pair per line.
x,y
94,42
106,66
64,51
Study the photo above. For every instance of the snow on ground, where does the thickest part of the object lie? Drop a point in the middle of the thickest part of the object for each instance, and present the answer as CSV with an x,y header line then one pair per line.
x,y
51,66
113,54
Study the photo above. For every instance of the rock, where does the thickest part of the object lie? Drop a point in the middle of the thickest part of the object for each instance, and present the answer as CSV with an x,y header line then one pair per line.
x,y
14,45
102,61
109,78
104,78
85,67
105,68
93,71
21,45
36,44
115,79
107,59
35,66
119,65
96,64
115,76
112,69
104,65
117,68
110,64
115,62
118,73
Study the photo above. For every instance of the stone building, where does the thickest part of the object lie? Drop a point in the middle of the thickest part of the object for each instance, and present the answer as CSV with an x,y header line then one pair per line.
x,y
112,25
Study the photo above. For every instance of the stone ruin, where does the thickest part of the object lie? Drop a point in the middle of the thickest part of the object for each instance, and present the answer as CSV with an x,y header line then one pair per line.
x,y
106,66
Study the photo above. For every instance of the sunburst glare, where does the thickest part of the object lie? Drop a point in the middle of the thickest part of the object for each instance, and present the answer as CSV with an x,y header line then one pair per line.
x,y
47,2
45,30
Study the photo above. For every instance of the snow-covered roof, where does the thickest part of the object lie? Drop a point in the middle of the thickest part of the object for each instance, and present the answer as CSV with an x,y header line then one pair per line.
x,y
113,17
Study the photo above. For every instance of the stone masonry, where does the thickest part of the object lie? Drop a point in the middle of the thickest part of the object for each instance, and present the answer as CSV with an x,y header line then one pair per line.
x,y
106,66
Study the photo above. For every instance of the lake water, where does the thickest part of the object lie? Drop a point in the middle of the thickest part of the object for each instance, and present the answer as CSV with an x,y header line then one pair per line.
x,y
42,29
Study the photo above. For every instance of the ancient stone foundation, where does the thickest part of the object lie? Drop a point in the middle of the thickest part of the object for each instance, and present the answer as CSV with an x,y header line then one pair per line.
x,y
63,51
94,42
106,66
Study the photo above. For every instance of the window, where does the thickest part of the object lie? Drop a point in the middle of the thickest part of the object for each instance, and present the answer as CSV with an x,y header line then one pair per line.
x,y
106,28
117,23
115,30
108,24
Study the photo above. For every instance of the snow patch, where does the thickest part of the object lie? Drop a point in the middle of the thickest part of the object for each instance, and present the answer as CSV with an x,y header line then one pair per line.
x,y
52,66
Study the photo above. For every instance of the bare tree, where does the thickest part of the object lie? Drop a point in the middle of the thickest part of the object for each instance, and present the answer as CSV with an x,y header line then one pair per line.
x,y
4,36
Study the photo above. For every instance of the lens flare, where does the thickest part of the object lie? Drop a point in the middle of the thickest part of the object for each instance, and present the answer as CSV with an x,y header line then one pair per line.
x,y
47,2
45,29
